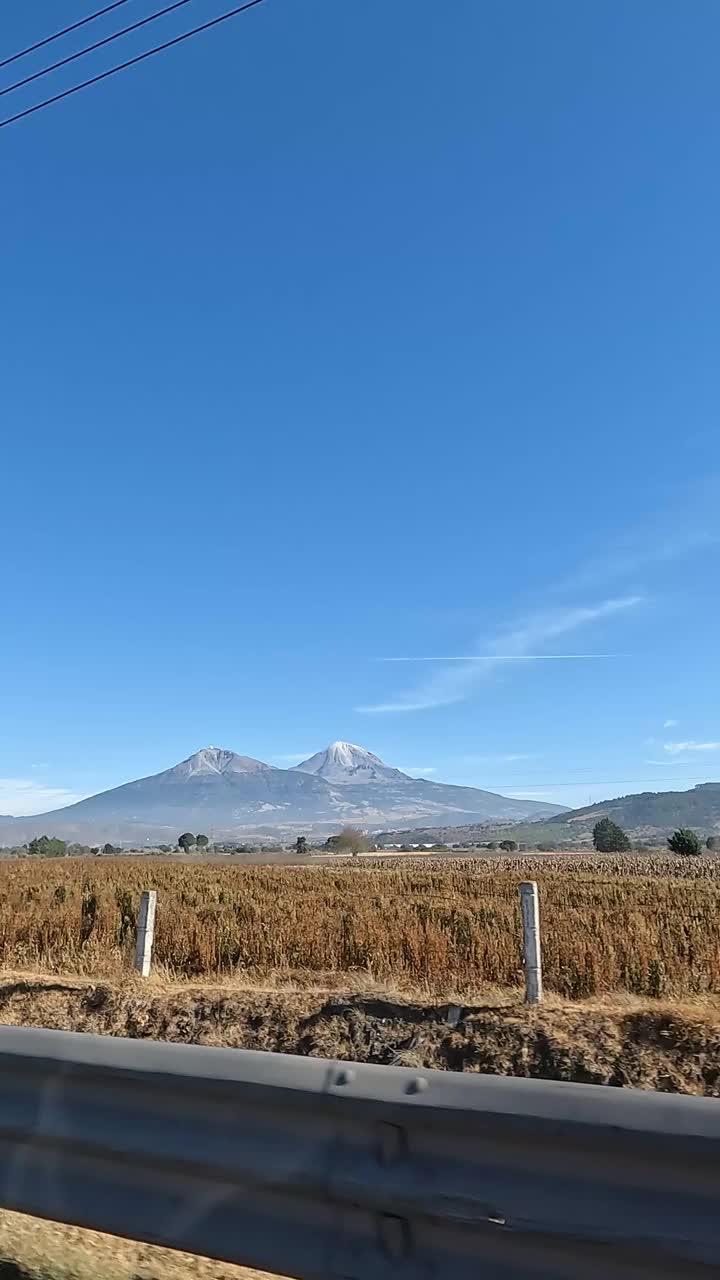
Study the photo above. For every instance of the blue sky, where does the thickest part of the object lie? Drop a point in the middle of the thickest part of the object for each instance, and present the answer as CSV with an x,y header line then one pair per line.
x,y
347,333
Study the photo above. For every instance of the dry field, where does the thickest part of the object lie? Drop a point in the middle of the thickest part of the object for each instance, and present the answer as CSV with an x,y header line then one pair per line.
x,y
646,926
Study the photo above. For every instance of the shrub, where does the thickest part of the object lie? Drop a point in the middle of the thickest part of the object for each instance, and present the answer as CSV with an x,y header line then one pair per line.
x,y
685,843
47,847
351,839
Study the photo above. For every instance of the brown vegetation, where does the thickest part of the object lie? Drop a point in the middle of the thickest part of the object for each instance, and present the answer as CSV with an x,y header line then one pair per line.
x,y
647,926
614,1040
32,1249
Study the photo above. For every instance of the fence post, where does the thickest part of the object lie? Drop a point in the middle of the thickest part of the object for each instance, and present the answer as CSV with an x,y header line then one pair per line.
x,y
531,941
145,932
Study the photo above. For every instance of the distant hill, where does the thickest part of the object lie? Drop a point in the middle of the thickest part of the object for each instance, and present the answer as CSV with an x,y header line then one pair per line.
x,y
475,833
227,796
649,815
652,812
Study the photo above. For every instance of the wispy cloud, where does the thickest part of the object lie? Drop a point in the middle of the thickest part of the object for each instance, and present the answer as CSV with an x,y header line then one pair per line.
x,y
457,681
675,748
22,797
629,556
292,757
422,770
422,705
503,657
670,724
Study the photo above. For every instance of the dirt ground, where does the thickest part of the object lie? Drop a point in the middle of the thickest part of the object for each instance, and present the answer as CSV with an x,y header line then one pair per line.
x,y
622,1040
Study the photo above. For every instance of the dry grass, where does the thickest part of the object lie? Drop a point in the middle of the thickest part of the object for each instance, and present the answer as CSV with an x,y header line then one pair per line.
x,y
39,1250
647,926
614,1040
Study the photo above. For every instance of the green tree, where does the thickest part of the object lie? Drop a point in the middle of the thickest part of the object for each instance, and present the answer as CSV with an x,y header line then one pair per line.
x,y
109,850
47,847
301,845
608,837
202,841
186,841
685,843
712,842
508,846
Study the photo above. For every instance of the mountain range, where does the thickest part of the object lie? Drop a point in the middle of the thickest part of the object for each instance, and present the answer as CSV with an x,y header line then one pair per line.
x,y
226,795
648,816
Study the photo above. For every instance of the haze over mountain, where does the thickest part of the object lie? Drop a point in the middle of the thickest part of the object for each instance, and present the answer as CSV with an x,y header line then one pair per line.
x,y
648,815
227,795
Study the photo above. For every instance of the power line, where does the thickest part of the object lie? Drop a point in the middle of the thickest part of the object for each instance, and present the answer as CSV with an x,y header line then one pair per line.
x,y
149,53
49,39
90,47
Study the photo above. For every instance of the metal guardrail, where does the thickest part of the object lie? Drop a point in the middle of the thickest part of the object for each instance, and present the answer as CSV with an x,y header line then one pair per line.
x,y
341,1171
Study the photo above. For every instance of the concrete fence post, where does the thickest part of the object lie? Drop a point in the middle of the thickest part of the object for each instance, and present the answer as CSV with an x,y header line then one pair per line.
x,y
145,932
531,941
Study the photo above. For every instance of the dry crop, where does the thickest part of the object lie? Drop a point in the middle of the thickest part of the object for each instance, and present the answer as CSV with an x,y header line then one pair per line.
x,y
646,926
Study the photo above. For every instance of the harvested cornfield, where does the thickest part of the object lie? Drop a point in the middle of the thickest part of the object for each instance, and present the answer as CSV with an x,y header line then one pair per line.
x,y
646,926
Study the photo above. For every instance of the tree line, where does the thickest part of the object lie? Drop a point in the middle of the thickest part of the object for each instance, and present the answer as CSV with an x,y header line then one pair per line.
x,y
54,847
188,841
608,837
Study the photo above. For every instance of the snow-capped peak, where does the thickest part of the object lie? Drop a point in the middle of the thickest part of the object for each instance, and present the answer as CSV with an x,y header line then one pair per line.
x,y
217,760
348,754
345,763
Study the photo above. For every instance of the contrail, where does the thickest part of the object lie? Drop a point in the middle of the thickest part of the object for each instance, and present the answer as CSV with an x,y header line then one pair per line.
x,y
462,672
502,657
